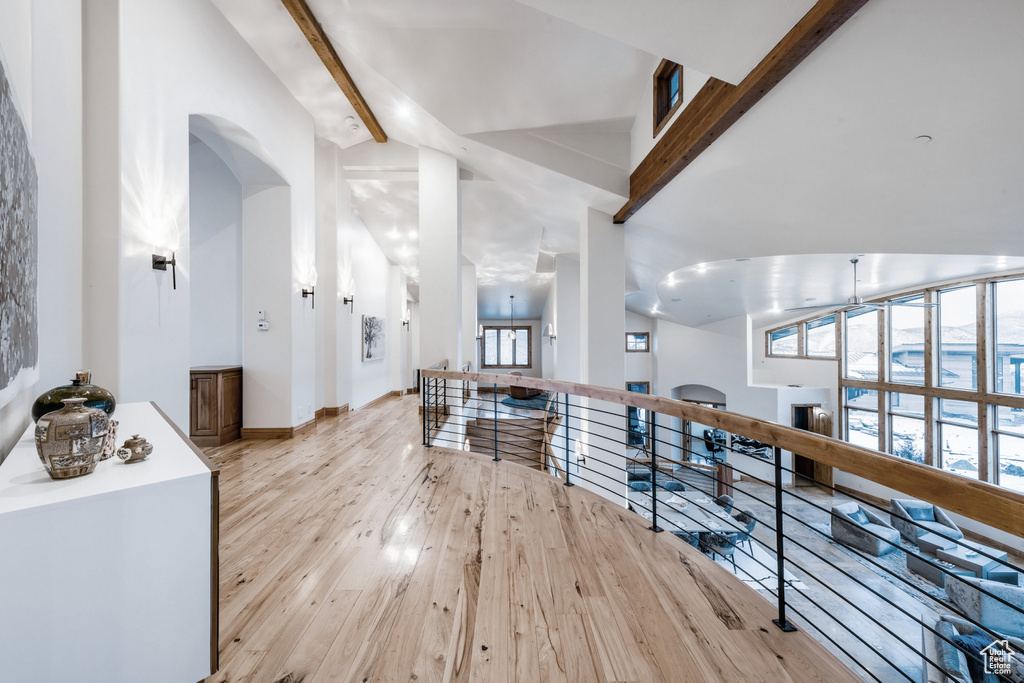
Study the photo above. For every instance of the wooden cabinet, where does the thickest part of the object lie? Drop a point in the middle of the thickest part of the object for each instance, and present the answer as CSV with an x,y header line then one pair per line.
x,y
215,410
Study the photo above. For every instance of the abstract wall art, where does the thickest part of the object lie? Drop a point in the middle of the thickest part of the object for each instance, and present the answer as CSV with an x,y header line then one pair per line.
x,y
373,338
19,264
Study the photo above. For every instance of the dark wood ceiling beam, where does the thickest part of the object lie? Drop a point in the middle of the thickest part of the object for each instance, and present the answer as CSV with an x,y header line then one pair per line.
x,y
316,36
718,104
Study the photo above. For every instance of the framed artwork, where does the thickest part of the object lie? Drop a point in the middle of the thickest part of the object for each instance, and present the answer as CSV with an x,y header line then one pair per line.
x,y
19,262
747,446
373,338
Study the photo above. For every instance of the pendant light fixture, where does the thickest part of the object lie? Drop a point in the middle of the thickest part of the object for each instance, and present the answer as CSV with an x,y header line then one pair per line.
x,y
512,324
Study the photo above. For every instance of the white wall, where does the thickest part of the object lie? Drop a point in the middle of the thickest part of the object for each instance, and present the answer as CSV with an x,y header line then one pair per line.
x,y
41,48
372,273
177,59
536,346
215,243
567,319
549,347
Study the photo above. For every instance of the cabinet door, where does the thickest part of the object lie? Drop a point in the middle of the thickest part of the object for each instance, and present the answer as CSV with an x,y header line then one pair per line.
x,y
203,409
231,395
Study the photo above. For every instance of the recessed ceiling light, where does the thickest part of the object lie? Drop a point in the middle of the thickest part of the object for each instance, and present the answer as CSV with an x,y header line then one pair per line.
x,y
924,139
404,111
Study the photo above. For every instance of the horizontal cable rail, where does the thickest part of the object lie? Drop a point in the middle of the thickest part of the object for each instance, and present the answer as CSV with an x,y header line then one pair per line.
x,y
796,545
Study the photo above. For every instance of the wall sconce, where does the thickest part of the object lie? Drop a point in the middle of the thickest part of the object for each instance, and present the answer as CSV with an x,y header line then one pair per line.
x,y
551,333
312,285
479,332
351,298
405,318
161,263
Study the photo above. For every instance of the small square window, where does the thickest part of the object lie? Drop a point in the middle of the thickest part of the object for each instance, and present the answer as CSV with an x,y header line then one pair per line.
x,y
638,342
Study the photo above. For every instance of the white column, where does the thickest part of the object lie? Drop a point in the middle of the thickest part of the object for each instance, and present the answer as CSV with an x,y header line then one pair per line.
x,y
469,322
440,242
567,315
397,331
603,333
327,269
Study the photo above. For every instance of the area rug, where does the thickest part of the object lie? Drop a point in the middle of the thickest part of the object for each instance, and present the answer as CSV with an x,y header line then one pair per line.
x,y
532,403
895,562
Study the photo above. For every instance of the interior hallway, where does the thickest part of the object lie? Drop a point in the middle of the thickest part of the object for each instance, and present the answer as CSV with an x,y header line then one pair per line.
x,y
353,553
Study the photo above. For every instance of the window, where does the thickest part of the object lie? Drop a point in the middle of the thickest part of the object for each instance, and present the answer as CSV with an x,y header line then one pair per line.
x,y
784,342
501,351
958,434
906,335
821,337
1009,443
668,93
862,344
906,426
638,342
958,338
639,425
1009,326
862,417
814,338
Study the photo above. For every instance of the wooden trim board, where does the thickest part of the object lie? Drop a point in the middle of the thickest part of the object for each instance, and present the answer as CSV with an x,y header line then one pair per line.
x,y
336,411
267,432
304,427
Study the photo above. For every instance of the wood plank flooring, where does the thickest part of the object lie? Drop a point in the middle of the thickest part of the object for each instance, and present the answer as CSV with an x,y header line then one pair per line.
x,y
352,553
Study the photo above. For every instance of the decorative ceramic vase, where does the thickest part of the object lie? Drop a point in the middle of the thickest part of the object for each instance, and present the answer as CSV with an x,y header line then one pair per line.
x,y
135,449
80,387
70,440
110,440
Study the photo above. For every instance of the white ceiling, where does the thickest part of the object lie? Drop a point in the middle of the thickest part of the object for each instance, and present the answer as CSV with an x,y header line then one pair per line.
x,y
537,102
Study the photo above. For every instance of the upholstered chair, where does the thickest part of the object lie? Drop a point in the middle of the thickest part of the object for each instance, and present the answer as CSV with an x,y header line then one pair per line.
x,y
859,527
1006,619
915,518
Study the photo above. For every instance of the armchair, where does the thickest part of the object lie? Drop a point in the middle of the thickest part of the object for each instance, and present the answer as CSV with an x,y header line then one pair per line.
x,y
965,592
915,518
861,528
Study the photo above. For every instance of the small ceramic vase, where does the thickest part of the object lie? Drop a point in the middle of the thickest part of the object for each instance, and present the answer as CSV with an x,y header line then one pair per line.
x,y
81,386
134,449
110,441
70,440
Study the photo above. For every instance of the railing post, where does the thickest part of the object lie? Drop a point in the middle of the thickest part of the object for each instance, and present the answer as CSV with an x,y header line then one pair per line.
x,y
426,413
654,492
780,546
423,407
567,482
496,458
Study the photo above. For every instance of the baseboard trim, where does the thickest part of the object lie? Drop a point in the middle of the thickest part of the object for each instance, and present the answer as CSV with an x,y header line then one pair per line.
x,y
376,402
398,392
267,433
303,428
335,412
320,414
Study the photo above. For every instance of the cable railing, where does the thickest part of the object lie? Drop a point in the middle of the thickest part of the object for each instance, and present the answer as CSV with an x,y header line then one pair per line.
x,y
893,587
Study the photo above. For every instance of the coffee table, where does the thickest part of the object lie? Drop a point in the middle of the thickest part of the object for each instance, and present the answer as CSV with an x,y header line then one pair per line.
x,y
929,543
930,570
967,557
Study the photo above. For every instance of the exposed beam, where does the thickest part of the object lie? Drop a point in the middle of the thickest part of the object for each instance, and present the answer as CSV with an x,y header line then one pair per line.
x,y
316,36
718,104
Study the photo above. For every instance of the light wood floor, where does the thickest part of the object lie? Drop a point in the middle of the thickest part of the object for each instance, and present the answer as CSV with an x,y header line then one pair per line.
x,y
352,553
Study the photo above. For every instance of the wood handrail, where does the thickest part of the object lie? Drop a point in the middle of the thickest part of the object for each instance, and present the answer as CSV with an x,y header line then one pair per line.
x,y
989,504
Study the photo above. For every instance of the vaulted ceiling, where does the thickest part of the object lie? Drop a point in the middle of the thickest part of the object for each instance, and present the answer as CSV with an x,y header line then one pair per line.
x,y
538,99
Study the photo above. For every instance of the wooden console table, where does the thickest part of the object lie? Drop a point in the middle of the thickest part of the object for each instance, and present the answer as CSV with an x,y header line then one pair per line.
x,y
215,405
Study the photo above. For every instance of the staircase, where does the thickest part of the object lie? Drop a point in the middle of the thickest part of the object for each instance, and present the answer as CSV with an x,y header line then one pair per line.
x,y
520,440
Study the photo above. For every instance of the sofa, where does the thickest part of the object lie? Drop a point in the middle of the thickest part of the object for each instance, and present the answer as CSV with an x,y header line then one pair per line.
x,y
521,393
943,662
859,527
915,518
965,593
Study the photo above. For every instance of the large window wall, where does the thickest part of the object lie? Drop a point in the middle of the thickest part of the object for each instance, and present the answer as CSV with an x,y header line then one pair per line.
x,y
936,377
